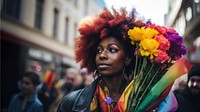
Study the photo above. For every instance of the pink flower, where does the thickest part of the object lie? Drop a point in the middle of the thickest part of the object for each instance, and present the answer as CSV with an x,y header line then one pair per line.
x,y
164,43
152,26
162,57
171,30
161,29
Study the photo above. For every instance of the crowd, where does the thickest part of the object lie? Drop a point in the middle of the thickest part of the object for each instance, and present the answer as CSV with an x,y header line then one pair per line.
x,y
44,95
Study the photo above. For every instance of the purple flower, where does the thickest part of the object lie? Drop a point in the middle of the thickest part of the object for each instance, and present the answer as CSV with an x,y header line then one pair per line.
x,y
174,37
176,49
148,23
108,100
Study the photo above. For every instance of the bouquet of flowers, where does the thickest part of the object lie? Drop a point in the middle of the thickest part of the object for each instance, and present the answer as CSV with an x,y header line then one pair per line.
x,y
158,63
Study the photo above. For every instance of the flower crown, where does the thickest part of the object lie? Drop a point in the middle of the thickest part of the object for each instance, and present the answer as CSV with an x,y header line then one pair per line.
x,y
159,43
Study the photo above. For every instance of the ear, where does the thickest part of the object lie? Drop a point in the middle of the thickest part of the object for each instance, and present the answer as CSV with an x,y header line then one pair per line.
x,y
128,61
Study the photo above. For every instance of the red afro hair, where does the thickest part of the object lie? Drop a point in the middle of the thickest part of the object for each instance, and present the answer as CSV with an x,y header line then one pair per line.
x,y
93,29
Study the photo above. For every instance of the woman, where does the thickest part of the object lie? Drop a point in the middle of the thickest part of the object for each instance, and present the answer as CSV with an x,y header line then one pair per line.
x,y
27,100
103,47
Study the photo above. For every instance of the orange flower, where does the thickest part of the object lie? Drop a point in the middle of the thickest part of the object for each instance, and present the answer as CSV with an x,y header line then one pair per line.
x,y
164,43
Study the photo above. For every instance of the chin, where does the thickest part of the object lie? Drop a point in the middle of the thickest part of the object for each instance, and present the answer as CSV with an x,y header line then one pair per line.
x,y
104,74
195,92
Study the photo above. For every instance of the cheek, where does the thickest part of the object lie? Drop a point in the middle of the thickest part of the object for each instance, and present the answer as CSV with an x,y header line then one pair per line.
x,y
198,84
119,60
31,86
96,59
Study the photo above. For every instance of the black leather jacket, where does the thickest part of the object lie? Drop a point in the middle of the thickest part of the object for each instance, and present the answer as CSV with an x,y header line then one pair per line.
x,y
79,100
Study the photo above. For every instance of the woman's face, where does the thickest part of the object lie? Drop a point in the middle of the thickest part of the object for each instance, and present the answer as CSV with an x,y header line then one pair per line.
x,y
110,57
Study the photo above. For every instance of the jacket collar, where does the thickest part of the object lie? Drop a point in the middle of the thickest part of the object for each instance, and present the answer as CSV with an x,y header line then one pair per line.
x,y
84,98
31,97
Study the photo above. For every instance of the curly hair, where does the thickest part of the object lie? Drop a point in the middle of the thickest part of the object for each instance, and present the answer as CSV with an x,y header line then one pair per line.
x,y
108,23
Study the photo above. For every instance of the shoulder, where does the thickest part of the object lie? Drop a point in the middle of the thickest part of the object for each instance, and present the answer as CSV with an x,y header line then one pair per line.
x,y
76,99
68,101
38,102
37,105
72,96
181,94
16,97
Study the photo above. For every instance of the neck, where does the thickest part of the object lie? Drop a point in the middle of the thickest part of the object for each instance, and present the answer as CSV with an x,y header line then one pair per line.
x,y
29,95
114,84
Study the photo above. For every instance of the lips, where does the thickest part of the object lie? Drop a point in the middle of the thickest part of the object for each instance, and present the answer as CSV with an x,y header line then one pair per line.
x,y
103,65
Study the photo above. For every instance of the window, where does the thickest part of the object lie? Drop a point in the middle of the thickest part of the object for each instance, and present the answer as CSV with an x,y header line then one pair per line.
x,y
86,7
38,15
66,29
12,8
55,25
75,3
75,30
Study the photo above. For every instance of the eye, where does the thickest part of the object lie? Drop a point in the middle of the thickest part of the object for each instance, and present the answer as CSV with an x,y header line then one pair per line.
x,y
99,50
113,50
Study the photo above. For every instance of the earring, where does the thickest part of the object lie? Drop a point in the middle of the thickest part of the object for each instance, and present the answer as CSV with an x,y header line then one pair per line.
x,y
124,74
96,74
124,70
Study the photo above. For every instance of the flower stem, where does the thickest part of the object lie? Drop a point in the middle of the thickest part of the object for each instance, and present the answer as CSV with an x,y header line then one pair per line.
x,y
134,77
136,63
139,101
137,86
141,86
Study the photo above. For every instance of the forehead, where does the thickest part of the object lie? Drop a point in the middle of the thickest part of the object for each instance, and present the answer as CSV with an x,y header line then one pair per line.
x,y
195,77
110,40
71,74
26,79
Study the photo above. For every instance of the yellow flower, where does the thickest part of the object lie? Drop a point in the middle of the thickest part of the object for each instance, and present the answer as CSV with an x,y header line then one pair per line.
x,y
148,47
137,34
150,33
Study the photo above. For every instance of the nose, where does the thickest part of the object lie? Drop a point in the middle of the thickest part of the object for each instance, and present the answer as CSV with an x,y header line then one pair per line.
x,y
103,55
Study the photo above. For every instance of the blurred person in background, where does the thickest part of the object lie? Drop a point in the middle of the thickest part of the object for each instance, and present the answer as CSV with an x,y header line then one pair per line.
x,y
72,79
26,100
189,97
180,83
47,92
87,79
78,80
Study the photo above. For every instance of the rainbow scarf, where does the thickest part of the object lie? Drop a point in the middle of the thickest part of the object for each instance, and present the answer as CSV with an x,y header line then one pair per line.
x,y
159,96
101,93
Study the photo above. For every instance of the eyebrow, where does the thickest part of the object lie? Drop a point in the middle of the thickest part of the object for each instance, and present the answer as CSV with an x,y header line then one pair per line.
x,y
111,44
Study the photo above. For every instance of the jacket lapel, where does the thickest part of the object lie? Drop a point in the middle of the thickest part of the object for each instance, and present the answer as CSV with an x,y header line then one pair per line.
x,y
82,103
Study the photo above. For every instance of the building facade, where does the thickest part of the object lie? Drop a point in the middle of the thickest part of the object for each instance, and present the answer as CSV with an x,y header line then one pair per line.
x,y
184,16
38,35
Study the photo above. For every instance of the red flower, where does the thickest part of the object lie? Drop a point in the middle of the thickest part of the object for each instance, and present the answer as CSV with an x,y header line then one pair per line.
x,y
171,30
162,57
161,29
164,44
